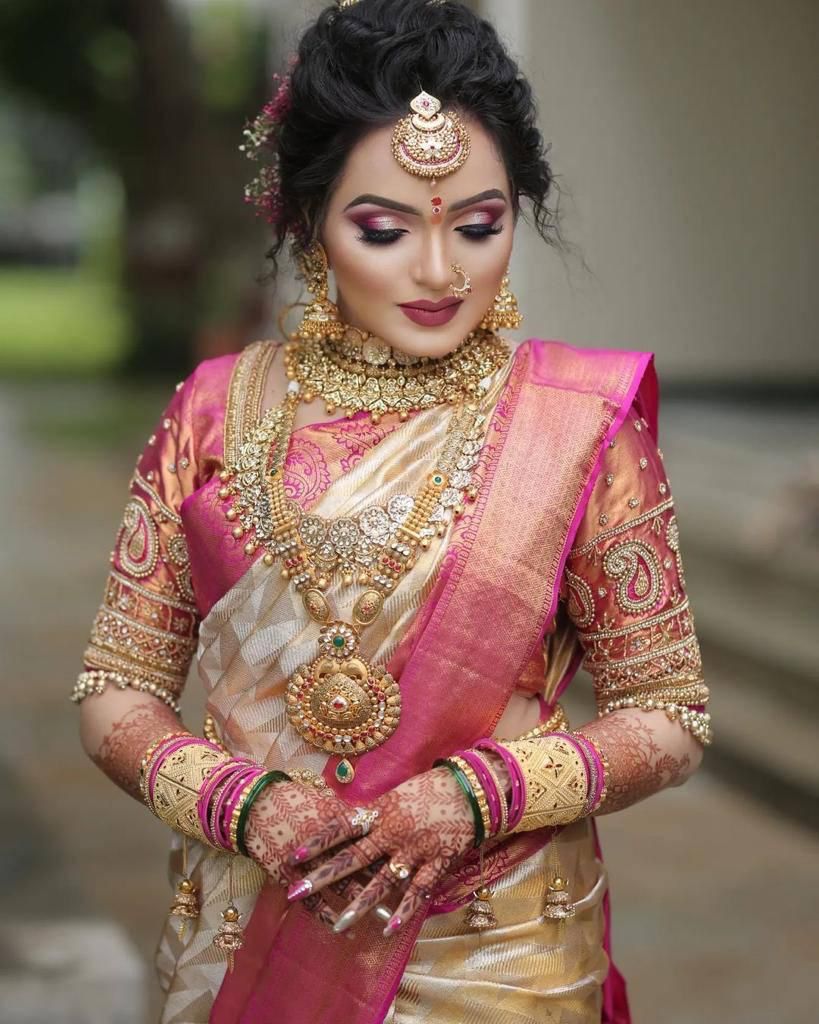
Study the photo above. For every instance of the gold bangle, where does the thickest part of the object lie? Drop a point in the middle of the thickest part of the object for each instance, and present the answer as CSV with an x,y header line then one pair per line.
x,y
556,783
504,805
147,758
178,781
480,795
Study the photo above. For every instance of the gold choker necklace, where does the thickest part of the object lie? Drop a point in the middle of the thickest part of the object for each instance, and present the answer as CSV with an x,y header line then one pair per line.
x,y
361,372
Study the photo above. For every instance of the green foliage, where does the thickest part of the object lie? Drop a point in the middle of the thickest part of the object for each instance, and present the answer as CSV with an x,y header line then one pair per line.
x,y
59,322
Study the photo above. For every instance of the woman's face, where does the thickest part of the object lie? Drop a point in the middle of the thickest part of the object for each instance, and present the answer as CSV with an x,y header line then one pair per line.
x,y
389,250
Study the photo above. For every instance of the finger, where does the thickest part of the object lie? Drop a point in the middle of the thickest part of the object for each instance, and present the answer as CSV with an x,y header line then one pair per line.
x,y
417,894
373,893
345,862
330,833
316,904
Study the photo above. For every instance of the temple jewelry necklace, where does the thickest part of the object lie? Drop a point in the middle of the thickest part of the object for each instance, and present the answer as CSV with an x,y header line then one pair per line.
x,y
340,702
361,372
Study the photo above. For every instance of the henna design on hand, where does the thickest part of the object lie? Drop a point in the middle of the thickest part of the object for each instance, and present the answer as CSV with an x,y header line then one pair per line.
x,y
639,765
124,746
425,823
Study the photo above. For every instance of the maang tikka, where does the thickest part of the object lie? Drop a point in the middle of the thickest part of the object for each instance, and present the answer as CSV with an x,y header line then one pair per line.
x,y
428,142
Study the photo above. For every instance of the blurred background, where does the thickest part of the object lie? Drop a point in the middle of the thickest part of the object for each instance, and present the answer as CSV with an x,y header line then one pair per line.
x,y
685,140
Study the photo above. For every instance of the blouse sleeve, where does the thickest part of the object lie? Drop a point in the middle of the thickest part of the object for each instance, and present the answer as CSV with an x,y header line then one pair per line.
x,y
624,588
145,632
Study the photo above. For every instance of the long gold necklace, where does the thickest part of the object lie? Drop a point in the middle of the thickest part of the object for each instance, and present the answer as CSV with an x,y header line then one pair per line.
x,y
340,702
361,372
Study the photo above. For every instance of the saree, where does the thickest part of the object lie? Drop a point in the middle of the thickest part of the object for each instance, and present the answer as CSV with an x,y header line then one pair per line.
x,y
549,416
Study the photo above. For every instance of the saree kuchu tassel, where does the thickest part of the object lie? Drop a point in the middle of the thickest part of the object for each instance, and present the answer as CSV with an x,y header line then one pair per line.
x,y
230,937
559,906
186,901
480,914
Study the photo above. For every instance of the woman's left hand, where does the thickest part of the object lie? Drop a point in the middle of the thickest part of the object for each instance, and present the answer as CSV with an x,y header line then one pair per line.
x,y
423,827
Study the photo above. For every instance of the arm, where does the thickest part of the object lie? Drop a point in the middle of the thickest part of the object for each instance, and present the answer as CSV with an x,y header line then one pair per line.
x,y
144,634
625,591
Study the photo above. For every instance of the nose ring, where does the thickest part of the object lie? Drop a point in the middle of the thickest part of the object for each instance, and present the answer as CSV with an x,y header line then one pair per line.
x,y
466,287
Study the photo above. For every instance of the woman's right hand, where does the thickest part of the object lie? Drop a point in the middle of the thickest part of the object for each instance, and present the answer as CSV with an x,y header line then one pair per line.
x,y
285,816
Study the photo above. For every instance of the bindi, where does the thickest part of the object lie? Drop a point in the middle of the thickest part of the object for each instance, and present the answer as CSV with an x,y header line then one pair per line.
x,y
437,209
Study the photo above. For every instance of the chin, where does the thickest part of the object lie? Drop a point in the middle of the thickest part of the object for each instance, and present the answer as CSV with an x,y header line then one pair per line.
x,y
434,342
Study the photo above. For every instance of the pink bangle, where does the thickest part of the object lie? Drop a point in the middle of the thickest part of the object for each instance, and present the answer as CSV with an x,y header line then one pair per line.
x,y
221,774
517,799
228,801
597,767
493,797
591,763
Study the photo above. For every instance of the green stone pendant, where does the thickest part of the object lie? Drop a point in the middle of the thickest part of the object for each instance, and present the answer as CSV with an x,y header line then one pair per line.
x,y
345,772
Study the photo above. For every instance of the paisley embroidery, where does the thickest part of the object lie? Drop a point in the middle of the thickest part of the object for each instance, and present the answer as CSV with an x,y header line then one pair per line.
x,y
357,439
581,600
672,536
138,543
178,550
636,568
306,474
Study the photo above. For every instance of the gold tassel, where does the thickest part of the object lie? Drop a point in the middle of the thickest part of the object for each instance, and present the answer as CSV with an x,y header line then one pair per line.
x,y
559,906
558,903
230,937
186,901
480,913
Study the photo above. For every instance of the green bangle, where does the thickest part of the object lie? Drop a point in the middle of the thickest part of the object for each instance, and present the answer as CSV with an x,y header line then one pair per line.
x,y
464,783
260,784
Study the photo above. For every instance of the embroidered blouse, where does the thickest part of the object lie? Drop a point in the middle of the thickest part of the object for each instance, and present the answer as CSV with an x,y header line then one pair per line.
x,y
623,589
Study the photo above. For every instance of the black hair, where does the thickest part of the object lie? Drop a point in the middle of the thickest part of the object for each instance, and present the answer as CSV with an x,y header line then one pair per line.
x,y
358,68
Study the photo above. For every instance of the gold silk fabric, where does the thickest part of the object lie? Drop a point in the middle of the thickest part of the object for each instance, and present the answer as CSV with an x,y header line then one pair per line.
x,y
529,968
624,584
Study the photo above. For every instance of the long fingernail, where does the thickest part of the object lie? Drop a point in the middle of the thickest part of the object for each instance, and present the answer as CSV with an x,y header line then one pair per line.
x,y
393,927
299,855
299,890
383,913
344,922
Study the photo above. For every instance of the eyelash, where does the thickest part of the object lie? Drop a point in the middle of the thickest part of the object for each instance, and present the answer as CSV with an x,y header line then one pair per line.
x,y
387,236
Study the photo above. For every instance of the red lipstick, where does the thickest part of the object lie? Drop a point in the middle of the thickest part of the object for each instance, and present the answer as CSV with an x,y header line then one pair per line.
x,y
431,314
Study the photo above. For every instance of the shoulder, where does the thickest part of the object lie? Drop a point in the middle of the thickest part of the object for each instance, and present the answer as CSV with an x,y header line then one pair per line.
x,y
585,369
218,388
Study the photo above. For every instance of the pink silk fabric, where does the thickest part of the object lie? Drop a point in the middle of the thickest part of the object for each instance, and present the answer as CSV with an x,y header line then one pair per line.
x,y
561,406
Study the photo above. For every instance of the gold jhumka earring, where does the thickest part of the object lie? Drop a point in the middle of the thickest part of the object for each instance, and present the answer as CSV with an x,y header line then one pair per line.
x,y
321,318
504,313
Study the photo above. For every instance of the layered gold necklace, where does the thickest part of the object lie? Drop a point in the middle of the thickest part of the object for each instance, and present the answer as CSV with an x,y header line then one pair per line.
x,y
340,702
361,372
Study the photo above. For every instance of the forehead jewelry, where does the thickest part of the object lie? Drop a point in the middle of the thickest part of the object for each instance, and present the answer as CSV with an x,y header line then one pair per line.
x,y
429,143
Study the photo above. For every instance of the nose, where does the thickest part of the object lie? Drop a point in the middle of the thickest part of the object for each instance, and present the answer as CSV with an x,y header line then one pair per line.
x,y
433,271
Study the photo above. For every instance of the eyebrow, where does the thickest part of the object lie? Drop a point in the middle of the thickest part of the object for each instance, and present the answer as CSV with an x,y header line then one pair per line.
x,y
392,204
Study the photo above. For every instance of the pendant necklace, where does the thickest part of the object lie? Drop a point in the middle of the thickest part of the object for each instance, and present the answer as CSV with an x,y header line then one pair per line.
x,y
340,702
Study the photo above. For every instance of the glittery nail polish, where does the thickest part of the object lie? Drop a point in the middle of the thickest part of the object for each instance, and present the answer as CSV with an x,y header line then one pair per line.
x,y
393,927
299,890
299,855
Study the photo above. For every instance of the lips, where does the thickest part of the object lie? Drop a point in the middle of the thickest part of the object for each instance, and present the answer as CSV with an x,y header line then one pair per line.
x,y
431,307
431,314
